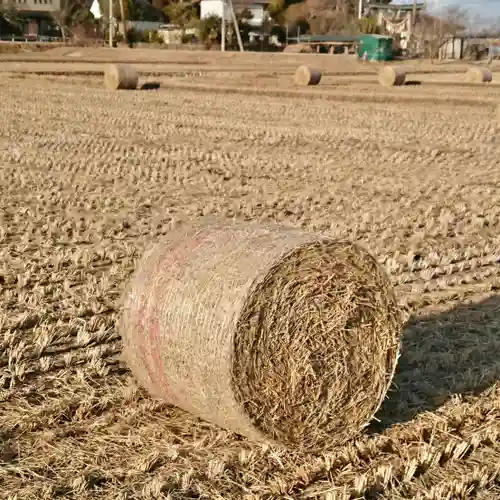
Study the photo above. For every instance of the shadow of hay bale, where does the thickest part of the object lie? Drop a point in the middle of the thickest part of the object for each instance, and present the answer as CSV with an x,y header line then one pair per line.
x,y
412,83
150,86
456,352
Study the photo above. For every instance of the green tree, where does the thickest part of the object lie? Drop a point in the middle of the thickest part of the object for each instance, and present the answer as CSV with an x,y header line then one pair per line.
x,y
10,19
243,17
209,29
183,14
144,11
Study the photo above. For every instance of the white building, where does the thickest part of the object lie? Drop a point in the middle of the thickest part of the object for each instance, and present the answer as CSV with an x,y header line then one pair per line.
x,y
217,7
35,6
37,14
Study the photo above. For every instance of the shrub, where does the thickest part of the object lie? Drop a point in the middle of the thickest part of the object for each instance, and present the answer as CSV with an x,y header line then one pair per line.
x,y
132,37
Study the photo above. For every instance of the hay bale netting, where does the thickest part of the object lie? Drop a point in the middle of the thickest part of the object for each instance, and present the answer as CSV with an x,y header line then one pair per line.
x,y
307,76
276,334
120,76
478,75
392,76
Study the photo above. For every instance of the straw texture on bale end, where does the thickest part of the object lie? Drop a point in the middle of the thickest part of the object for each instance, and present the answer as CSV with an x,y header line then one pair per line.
x,y
276,334
306,76
391,76
478,75
120,76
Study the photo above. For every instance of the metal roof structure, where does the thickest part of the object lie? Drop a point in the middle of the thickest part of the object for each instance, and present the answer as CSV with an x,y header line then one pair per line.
x,y
325,38
374,35
394,6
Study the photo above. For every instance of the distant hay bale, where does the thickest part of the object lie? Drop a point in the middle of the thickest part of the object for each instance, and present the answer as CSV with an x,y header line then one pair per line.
x,y
392,76
276,334
307,76
298,48
120,76
478,75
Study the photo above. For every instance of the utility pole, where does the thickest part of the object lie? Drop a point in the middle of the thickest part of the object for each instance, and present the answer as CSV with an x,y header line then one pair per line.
x,y
411,26
360,9
111,25
223,28
235,22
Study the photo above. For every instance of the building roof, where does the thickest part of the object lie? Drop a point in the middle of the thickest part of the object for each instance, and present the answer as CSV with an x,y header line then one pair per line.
x,y
374,35
326,38
394,6
242,3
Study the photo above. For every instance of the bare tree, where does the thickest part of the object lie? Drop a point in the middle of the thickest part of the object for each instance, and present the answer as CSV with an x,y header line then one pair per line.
x,y
123,15
323,16
433,32
70,12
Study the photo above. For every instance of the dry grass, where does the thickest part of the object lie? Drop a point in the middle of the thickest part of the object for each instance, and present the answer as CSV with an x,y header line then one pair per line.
x,y
90,178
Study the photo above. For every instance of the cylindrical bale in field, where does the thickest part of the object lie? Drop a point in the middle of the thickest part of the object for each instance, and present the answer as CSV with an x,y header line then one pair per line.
x,y
280,335
392,76
307,76
120,76
478,75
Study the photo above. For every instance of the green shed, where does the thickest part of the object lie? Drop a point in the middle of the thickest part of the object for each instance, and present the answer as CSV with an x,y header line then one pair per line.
x,y
377,47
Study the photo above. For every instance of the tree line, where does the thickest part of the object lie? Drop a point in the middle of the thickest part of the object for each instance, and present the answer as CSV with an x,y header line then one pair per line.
x,y
316,17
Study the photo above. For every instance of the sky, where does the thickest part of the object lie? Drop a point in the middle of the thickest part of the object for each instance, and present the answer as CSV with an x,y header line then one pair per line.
x,y
481,12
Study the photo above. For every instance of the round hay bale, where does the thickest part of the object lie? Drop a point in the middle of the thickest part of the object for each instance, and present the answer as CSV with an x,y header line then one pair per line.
x,y
478,75
298,48
120,76
307,76
276,334
392,76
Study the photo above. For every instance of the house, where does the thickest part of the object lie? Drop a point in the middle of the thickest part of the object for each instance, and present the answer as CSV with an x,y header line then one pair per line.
x,y
257,8
172,34
37,14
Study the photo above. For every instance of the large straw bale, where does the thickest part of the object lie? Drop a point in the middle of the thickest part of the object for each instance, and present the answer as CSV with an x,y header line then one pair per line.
x,y
279,335
120,76
477,74
307,76
392,76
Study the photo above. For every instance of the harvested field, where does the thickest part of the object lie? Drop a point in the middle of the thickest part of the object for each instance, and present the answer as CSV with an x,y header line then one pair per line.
x,y
90,178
